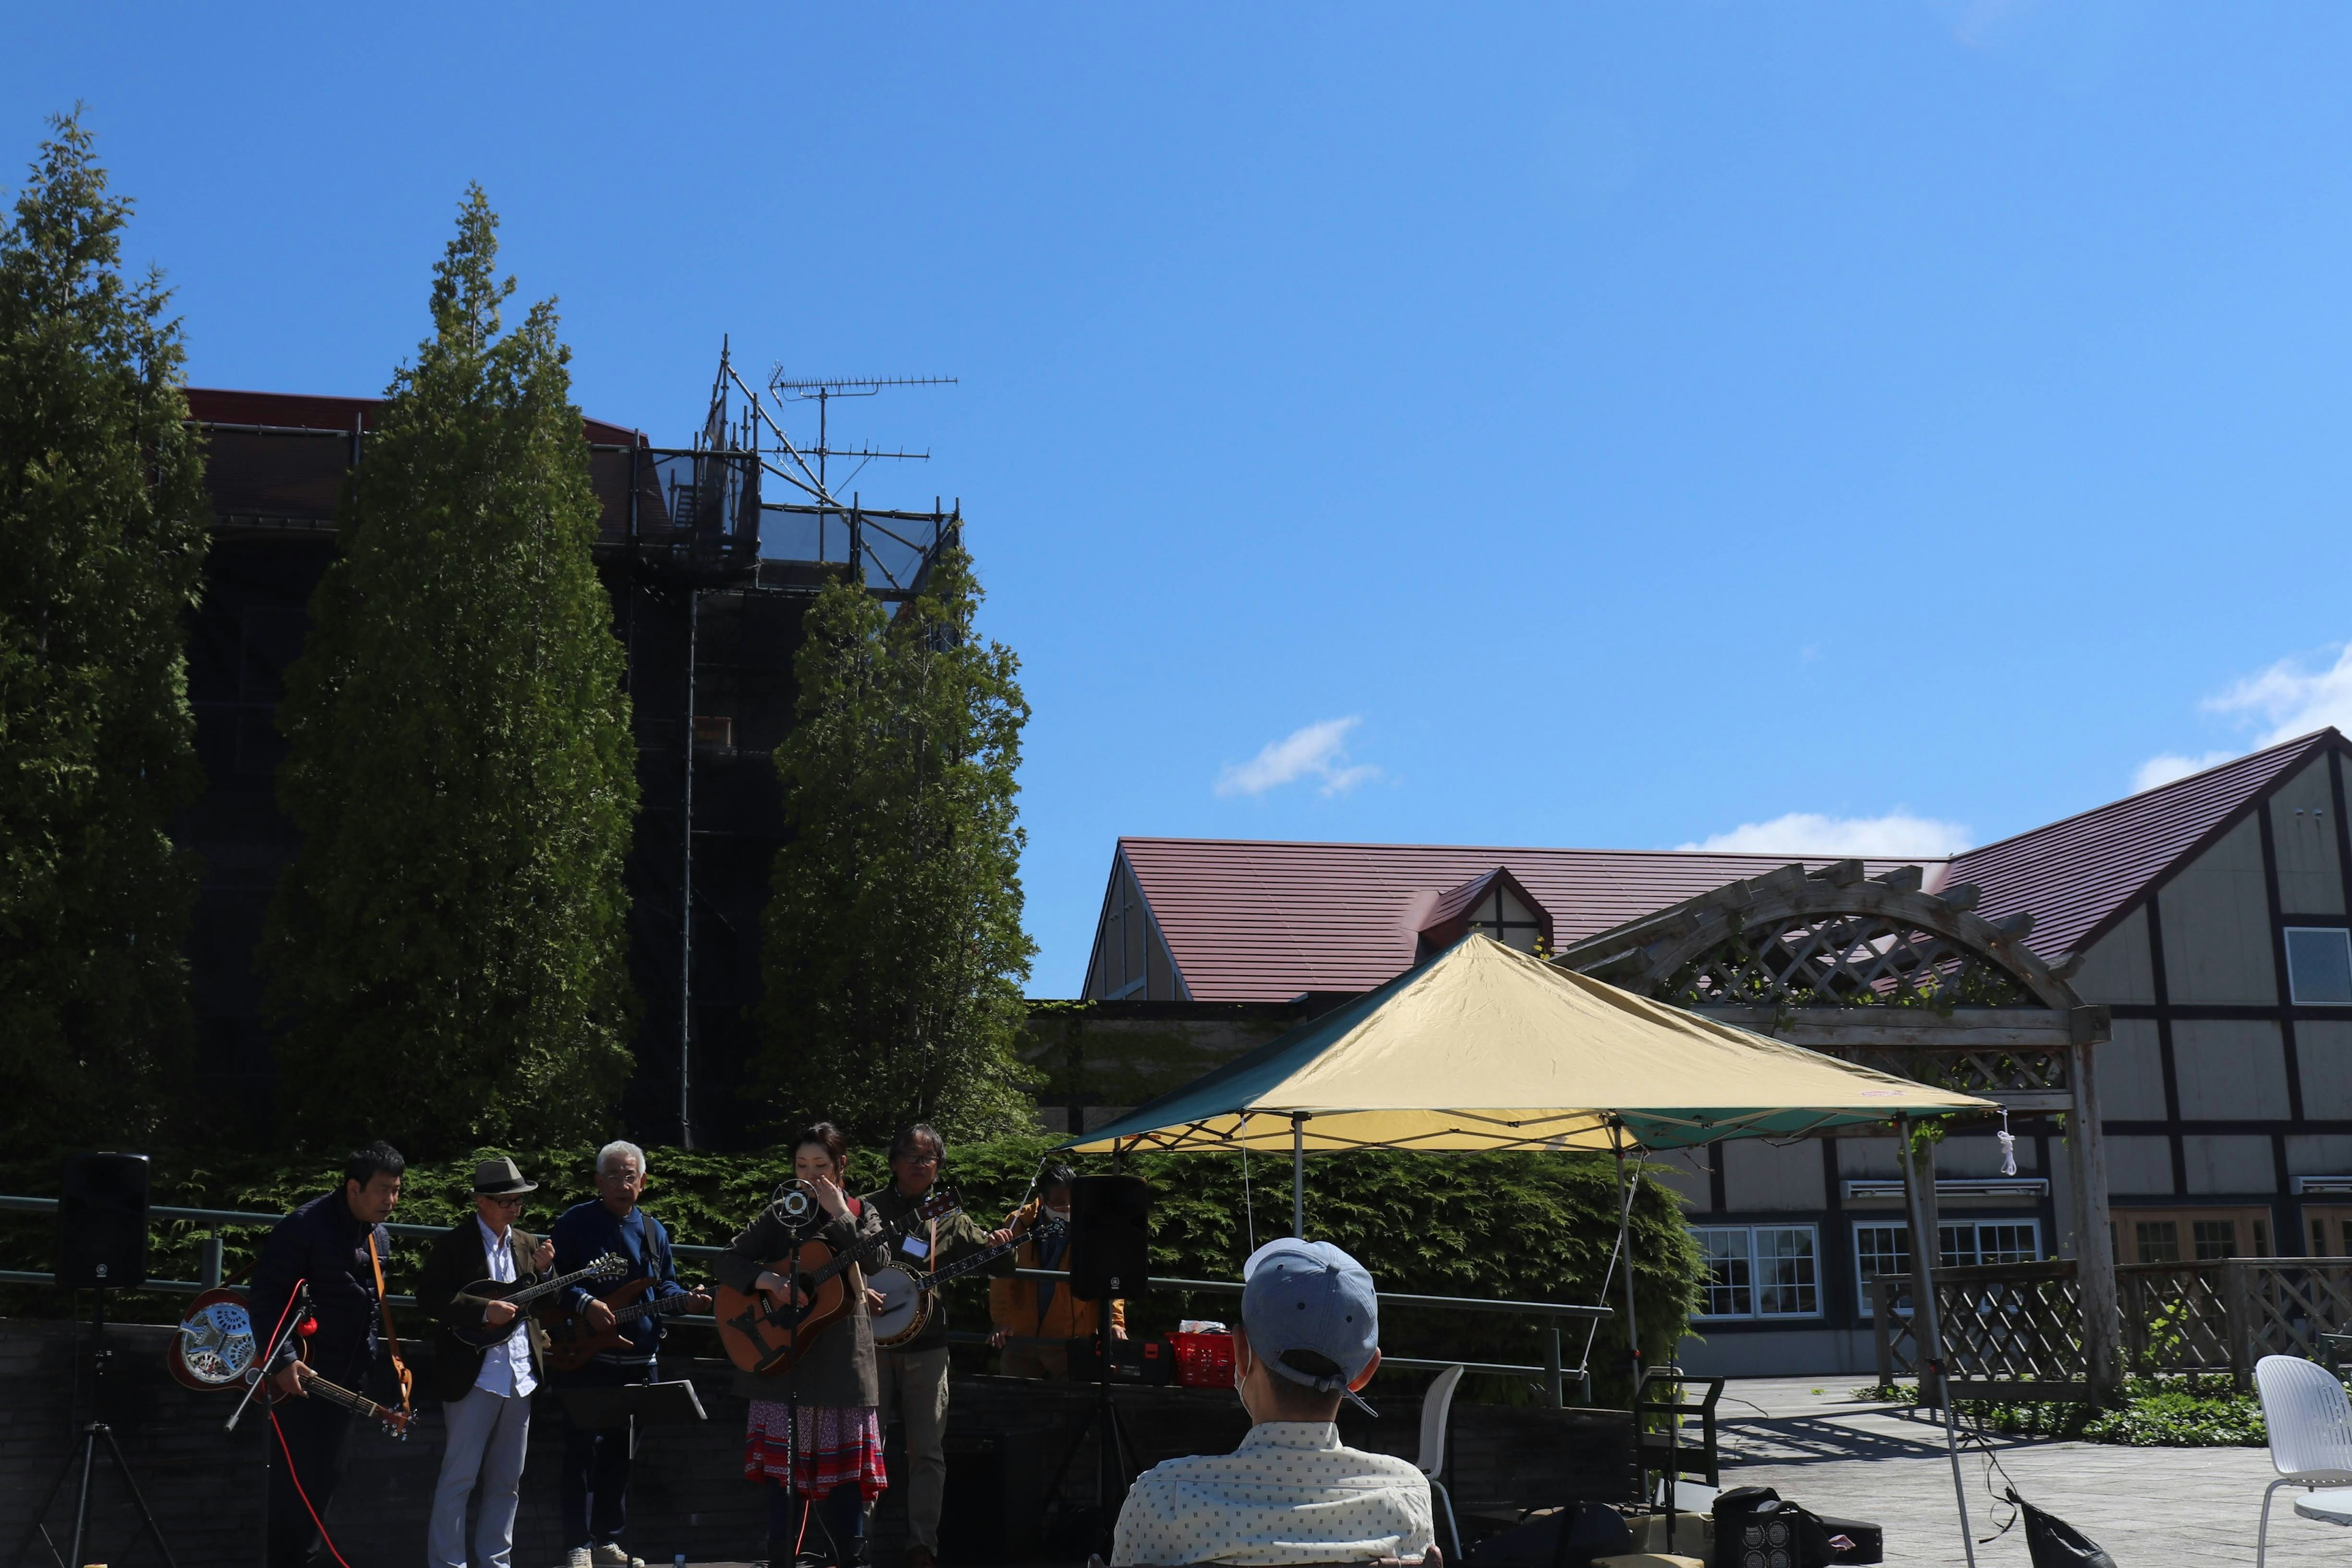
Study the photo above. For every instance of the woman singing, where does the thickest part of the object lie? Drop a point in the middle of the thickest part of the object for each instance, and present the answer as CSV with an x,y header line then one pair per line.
x,y
837,1463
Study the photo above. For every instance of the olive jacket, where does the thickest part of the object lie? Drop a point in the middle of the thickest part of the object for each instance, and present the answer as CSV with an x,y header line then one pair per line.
x,y
838,1369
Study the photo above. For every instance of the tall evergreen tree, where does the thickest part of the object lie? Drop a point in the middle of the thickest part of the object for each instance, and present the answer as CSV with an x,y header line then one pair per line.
x,y
895,956
445,954
102,535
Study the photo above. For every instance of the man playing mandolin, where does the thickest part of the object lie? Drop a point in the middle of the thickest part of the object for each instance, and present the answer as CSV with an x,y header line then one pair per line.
x,y
484,1366
596,1462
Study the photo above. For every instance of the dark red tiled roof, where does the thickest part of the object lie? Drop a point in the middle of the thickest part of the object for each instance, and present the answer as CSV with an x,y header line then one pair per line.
x,y
1253,921
2079,876
300,411
1250,921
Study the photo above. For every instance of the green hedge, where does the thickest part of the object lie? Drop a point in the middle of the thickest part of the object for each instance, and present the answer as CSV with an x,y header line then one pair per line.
x,y
1518,1226
2179,1411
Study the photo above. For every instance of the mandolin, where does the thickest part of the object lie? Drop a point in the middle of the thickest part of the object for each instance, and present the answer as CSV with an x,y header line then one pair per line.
x,y
572,1344
769,1339
481,1292
907,1295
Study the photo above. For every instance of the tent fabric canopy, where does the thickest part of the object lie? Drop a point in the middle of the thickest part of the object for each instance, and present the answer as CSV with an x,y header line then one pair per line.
x,y
1484,1048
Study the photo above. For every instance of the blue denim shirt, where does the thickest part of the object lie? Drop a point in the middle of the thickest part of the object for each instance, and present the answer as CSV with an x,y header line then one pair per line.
x,y
586,1232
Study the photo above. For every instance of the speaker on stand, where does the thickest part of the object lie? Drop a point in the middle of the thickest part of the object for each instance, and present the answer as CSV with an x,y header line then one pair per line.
x,y
101,1244
1110,1256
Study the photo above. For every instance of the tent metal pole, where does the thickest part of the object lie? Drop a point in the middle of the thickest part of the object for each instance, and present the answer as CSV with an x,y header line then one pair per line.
x,y
1299,1176
1926,1330
1626,1249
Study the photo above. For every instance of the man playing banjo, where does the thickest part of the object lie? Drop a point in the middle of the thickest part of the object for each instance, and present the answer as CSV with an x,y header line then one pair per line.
x,y
914,1374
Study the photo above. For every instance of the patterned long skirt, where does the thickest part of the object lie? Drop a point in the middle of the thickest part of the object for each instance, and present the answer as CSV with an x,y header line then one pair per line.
x,y
839,1445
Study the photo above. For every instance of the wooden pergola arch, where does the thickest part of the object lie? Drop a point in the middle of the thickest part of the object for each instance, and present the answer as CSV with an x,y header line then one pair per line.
x,y
1878,971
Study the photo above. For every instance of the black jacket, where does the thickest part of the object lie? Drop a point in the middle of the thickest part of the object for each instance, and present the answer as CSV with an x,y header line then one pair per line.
x,y
321,1243
456,1261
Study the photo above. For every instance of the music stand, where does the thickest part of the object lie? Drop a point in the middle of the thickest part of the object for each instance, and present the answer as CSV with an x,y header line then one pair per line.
x,y
654,1403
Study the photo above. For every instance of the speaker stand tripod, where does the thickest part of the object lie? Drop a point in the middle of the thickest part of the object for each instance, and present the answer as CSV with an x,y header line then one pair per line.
x,y
92,1433
1114,1452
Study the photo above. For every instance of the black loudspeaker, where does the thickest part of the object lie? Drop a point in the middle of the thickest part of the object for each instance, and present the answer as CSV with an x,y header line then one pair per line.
x,y
1111,1239
102,1222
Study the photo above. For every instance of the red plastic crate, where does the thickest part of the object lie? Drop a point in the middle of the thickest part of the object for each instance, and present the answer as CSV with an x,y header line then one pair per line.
x,y
1204,1361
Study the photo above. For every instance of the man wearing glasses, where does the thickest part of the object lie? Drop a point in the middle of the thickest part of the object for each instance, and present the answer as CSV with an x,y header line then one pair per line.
x,y
485,1392
914,1375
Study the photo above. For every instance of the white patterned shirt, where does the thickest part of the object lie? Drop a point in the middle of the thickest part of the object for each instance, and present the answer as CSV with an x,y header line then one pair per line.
x,y
505,1368
1290,1493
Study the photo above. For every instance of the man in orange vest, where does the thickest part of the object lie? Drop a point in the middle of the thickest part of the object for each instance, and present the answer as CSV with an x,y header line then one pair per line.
x,y
1029,1310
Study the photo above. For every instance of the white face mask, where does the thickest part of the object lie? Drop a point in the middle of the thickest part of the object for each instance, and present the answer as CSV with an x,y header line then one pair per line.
x,y
1061,1215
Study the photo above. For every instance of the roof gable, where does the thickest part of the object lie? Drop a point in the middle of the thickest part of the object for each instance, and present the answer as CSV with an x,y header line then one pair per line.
x,y
2079,877
1258,921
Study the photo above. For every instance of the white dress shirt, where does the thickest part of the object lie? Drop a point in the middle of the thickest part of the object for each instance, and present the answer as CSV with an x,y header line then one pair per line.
x,y
506,1367
1290,1493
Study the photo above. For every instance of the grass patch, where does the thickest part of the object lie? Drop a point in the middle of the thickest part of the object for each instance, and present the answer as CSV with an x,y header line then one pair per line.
x,y
2157,1412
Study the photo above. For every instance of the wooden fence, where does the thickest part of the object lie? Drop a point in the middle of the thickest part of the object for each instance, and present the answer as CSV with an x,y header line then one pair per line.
x,y
2014,1330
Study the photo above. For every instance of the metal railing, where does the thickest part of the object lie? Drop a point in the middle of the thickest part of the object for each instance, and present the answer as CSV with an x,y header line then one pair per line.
x,y
1553,1370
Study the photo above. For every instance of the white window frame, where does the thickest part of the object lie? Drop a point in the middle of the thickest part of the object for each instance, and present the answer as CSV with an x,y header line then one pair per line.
x,y
2295,987
1749,1256
1946,1256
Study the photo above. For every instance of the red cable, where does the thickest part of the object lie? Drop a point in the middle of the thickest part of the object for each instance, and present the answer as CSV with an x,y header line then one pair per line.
x,y
293,1474
296,1477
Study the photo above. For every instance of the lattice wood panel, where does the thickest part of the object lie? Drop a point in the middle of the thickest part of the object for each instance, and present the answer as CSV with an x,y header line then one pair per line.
x,y
1969,1072
2175,1317
1843,961
2012,1323
2288,1304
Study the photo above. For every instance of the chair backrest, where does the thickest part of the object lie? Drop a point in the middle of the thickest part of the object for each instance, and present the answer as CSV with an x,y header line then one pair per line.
x,y
1435,1406
2309,1417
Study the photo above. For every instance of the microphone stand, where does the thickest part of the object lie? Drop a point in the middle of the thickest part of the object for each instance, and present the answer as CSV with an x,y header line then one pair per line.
x,y
298,1313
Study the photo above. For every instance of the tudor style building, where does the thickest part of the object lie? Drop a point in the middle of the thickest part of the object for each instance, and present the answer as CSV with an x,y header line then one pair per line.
x,y
2198,932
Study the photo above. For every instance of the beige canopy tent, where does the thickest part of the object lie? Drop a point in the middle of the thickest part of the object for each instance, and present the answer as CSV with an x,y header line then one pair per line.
x,y
1485,1047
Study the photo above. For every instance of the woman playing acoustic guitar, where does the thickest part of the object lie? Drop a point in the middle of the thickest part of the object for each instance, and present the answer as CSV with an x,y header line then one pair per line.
x,y
836,1461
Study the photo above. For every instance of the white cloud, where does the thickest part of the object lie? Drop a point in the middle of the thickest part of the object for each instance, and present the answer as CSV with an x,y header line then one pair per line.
x,y
2290,699
2294,699
1896,833
2171,765
1318,751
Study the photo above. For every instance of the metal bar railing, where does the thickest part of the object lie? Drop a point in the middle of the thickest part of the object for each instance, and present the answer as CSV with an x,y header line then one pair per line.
x,y
1553,1373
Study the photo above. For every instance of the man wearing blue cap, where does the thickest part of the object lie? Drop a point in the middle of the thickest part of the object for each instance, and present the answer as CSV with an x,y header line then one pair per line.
x,y
1291,1493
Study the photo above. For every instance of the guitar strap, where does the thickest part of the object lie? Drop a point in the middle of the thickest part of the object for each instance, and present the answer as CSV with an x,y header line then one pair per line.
x,y
391,1335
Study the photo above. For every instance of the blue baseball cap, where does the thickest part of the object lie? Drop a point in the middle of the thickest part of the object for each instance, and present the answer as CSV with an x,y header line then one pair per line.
x,y
1311,1314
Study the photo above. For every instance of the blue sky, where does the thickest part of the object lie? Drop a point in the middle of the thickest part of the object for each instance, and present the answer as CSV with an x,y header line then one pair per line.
x,y
1797,425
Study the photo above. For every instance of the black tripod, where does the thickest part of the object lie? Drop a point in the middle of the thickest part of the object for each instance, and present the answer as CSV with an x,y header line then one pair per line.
x,y
1114,1452
91,1434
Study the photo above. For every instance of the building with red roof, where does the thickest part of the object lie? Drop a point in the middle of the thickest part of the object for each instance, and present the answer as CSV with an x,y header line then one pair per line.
x,y
2208,917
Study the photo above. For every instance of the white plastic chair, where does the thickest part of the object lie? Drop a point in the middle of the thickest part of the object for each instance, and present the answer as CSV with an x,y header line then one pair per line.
x,y
1435,1405
2310,1422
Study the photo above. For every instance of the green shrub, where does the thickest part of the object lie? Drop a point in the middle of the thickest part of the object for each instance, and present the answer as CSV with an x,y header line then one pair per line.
x,y
1514,1226
2157,1412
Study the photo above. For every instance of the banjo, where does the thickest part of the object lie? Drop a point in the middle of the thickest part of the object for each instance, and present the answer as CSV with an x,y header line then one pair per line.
x,y
907,1295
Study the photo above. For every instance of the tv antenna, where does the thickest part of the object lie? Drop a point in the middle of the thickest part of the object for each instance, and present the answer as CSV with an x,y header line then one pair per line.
x,y
822,390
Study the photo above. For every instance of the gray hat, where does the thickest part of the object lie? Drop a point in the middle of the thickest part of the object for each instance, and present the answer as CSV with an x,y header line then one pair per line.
x,y
501,1178
1311,1313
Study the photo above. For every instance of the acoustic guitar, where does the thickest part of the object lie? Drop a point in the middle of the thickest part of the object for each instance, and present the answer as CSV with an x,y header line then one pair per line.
x,y
573,1345
771,1339
481,1292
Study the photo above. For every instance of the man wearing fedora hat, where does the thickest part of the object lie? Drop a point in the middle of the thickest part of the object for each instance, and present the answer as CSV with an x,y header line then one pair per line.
x,y
485,1393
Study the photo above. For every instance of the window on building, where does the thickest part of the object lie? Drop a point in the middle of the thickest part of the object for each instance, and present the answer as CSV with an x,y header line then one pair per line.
x,y
1886,1248
2197,1236
1760,1271
2331,1231
2319,966
1507,919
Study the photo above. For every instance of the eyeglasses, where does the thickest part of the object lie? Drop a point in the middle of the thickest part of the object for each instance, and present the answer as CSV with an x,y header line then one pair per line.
x,y
505,1203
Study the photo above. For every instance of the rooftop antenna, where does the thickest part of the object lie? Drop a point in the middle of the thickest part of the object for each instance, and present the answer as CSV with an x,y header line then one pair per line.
x,y
822,390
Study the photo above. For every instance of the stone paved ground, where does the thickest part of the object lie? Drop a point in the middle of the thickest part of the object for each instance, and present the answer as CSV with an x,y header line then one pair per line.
x,y
2148,1506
